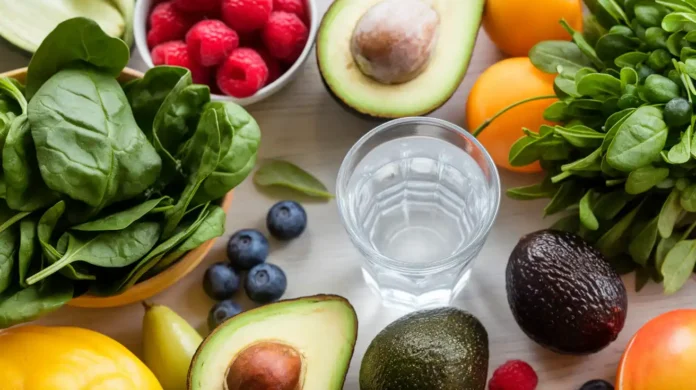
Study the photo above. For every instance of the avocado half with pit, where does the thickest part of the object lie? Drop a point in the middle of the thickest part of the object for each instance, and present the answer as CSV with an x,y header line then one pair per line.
x,y
396,58
301,344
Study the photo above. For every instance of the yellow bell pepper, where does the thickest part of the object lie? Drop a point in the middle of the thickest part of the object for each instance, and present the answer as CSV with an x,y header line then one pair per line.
x,y
67,358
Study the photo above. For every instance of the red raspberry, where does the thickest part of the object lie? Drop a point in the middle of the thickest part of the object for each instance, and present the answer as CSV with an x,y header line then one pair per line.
x,y
243,73
167,24
246,15
514,375
296,7
176,54
210,42
285,36
197,5
272,64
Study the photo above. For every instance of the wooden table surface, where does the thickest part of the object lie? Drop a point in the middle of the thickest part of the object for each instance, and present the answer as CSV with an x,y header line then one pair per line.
x,y
304,125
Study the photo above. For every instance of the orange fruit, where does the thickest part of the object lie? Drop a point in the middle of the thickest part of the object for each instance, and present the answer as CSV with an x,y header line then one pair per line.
x,y
501,85
515,26
661,355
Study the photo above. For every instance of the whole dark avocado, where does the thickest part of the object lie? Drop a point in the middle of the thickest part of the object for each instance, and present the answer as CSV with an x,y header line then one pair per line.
x,y
564,294
437,349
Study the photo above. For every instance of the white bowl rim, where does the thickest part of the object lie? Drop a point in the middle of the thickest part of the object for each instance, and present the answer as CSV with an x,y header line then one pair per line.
x,y
140,17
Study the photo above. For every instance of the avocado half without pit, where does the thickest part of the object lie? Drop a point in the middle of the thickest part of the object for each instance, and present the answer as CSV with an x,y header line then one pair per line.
x,y
301,344
396,58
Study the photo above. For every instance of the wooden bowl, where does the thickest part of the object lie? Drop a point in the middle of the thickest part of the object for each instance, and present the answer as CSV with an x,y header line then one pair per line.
x,y
164,279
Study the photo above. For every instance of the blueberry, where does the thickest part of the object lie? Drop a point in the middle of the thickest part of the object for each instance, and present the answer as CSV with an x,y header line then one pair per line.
x,y
597,384
247,248
265,283
286,220
221,311
220,281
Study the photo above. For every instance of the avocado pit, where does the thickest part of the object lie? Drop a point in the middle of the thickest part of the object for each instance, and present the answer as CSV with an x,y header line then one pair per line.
x,y
395,39
266,365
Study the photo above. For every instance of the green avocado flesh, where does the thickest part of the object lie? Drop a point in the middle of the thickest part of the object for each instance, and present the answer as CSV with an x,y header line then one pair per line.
x,y
321,330
25,23
458,27
438,349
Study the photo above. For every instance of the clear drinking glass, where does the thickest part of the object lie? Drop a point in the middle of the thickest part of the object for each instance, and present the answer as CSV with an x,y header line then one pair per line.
x,y
418,197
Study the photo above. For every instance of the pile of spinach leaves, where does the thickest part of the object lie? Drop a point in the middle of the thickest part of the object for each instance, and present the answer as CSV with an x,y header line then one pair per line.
x,y
621,161
103,184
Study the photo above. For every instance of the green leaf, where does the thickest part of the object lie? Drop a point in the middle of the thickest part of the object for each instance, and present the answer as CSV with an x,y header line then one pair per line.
x,y
580,136
591,162
283,173
669,214
642,244
122,219
688,198
599,86
644,178
547,56
630,59
73,41
569,223
681,152
111,249
535,191
8,251
678,5
28,248
584,47
674,42
679,21
611,46
679,265
610,204
556,112
587,217
613,242
212,226
639,140
19,306
628,77
567,194
664,245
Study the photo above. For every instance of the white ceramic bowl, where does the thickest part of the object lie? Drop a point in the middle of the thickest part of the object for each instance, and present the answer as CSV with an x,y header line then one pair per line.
x,y
142,13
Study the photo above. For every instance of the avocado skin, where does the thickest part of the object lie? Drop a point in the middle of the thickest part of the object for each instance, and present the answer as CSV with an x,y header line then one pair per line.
x,y
438,349
564,294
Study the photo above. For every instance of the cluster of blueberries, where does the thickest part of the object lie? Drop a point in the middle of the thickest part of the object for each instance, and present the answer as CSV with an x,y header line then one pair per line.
x,y
247,251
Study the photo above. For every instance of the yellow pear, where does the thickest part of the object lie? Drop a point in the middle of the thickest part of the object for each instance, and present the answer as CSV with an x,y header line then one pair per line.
x,y
169,343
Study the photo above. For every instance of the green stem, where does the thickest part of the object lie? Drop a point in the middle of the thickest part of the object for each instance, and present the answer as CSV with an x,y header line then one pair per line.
x,y
488,121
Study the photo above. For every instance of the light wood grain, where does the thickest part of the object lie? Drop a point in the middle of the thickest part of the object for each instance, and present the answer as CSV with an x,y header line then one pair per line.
x,y
304,125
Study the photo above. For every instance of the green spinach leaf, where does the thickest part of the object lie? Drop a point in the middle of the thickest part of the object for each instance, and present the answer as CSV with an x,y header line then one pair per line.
x,y
8,252
669,214
599,86
27,248
112,249
678,265
642,245
587,217
18,306
122,219
548,55
283,173
74,41
613,242
644,178
87,142
639,140
569,193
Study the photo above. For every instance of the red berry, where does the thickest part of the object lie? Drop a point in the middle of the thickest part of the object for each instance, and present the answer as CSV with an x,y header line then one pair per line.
x,y
210,42
246,15
296,7
272,64
243,73
167,24
514,375
197,5
176,54
285,36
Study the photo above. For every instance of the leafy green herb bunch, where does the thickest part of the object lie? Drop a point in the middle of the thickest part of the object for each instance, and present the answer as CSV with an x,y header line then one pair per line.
x,y
621,161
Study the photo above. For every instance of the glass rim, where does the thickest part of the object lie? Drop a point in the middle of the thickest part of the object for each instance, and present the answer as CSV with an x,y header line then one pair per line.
x,y
368,250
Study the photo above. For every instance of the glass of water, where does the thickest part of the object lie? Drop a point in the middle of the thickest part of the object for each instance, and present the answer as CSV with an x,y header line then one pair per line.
x,y
418,197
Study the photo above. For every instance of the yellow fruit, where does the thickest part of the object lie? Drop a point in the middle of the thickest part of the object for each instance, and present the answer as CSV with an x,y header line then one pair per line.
x,y
67,358
501,85
169,343
515,26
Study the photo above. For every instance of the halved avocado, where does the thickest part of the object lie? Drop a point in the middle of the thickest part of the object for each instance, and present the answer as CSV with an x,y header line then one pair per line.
x,y
301,344
396,58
